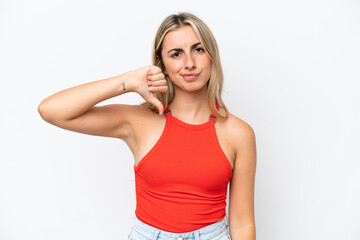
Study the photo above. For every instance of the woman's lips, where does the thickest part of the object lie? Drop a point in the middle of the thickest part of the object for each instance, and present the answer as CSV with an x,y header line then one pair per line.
x,y
190,77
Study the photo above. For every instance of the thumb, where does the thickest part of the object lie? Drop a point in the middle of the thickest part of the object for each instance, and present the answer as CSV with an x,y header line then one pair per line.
x,y
156,102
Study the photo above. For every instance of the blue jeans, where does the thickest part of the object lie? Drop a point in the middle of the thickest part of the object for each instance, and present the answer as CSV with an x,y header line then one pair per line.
x,y
215,231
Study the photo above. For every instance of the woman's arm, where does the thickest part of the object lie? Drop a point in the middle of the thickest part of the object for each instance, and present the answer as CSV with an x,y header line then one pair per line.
x,y
241,200
74,109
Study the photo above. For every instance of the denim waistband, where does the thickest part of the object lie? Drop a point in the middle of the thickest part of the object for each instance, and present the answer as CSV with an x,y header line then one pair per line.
x,y
154,233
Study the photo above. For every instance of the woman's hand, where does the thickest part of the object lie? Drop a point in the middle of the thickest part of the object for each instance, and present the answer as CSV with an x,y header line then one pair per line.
x,y
74,108
147,81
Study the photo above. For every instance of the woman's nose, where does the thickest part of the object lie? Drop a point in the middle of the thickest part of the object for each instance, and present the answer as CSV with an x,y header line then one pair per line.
x,y
189,62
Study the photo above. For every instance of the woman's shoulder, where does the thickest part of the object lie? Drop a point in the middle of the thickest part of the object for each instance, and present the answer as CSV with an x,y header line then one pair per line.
x,y
236,127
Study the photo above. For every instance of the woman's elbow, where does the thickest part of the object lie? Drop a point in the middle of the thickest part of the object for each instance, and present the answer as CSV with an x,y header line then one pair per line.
x,y
44,111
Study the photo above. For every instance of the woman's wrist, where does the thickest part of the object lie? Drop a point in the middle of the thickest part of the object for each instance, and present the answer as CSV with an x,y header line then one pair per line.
x,y
125,83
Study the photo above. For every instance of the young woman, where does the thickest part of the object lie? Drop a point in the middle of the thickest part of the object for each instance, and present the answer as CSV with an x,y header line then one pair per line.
x,y
186,145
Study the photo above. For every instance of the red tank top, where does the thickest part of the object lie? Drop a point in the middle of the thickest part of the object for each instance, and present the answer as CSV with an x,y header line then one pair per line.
x,y
181,183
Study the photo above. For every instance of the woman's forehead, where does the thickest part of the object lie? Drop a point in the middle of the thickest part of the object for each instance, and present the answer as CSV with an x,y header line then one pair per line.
x,y
183,37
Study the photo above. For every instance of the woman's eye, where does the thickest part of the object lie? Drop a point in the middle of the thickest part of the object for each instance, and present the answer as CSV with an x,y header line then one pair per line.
x,y
199,49
175,54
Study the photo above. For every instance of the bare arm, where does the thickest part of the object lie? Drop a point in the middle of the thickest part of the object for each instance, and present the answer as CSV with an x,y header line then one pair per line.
x,y
74,109
241,200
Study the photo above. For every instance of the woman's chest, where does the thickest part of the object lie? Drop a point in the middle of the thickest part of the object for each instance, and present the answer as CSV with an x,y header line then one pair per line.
x,y
163,134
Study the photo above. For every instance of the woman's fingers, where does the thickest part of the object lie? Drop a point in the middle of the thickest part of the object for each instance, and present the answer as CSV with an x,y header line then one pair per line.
x,y
157,83
156,80
156,77
158,89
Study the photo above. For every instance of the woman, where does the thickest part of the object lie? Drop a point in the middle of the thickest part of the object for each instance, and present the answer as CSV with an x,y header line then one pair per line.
x,y
187,146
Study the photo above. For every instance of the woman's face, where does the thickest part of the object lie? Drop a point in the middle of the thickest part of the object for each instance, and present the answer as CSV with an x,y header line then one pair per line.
x,y
185,60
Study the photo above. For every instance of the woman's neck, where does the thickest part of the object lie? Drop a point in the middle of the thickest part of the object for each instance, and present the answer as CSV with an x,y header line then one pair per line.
x,y
190,107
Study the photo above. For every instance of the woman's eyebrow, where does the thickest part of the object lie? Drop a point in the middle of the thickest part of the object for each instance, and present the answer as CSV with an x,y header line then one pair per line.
x,y
179,49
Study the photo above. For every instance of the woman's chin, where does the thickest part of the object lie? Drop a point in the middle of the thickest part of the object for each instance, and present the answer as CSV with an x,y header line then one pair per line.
x,y
191,87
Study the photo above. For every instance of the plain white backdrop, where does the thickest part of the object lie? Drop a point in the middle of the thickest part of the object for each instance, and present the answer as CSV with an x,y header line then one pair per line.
x,y
292,71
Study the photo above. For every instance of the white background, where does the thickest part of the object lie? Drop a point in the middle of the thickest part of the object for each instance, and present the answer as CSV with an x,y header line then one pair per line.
x,y
291,71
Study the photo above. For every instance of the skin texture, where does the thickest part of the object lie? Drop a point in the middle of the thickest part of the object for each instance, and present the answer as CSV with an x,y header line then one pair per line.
x,y
185,57
140,128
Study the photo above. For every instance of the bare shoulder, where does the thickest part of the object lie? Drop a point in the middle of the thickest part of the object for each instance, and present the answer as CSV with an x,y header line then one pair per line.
x,y
239,134
237,127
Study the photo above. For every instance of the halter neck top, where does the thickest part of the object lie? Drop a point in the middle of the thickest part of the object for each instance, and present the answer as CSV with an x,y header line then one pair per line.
x,y
181,183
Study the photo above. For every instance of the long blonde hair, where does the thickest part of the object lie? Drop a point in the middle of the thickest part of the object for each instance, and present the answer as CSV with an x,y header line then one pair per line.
x,y
207,39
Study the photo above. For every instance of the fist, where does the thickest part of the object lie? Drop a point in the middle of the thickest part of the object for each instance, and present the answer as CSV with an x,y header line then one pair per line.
x,y
156,80
151,80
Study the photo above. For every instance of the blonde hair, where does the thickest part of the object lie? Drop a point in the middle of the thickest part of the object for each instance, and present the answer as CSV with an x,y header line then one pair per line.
x,y
208,41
